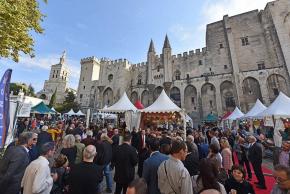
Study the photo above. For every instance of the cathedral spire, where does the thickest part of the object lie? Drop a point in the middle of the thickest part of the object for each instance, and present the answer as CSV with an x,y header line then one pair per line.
x,y
151,47
166,42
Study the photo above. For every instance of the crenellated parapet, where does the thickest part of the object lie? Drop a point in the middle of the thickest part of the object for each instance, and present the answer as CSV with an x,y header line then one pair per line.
x,y
89,59
139,66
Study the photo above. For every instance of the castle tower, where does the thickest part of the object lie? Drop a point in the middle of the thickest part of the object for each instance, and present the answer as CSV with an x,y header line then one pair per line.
x,y
151,61
58,79
90,71
166,58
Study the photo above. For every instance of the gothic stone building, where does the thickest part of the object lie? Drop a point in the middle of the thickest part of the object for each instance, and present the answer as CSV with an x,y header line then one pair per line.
x,y
247,57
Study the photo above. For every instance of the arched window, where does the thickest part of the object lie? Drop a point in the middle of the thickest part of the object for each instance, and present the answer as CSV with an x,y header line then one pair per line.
x,y
110,77
139,82
177,75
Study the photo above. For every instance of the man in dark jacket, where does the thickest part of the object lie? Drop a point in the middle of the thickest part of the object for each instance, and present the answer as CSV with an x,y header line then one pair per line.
x,y
124,159
43,138
14,163
255,157
151,165
107,157
85,177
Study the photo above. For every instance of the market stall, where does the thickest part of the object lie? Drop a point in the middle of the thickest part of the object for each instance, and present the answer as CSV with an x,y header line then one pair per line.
x,y
124,106
163,110
256,109
41,108
70,113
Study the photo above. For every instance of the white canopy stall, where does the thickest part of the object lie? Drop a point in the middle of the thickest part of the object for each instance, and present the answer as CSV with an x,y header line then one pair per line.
x,y
279,108
163,104
124,105
80,113
256,109
70,113
236,114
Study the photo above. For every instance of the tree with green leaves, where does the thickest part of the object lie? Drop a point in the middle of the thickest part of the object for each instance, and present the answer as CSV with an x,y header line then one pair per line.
x,y
69,103
27,90
52,99
17,19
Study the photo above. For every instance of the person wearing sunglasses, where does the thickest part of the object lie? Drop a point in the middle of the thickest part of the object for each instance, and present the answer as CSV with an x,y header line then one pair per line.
x,y
282,177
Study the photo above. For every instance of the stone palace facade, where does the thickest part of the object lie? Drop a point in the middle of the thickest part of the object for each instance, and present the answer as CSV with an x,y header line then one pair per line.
x,y
247,56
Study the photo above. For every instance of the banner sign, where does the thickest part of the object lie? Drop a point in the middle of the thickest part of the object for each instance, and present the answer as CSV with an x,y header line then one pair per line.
x,y
4,105
24,110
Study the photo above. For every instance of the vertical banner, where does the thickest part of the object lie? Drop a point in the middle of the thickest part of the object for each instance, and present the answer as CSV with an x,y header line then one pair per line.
x,y
4,105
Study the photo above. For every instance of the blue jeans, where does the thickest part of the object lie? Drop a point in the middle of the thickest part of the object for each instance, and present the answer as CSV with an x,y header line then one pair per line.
x,y
108,175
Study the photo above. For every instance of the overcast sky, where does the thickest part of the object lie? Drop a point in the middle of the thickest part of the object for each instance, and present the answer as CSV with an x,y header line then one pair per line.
x,y
118,29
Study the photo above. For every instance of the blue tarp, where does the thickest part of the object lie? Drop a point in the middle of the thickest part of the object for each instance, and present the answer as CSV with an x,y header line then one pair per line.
x,y
41,108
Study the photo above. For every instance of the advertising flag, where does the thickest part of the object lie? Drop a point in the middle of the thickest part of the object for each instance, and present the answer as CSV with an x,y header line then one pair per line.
x,y
4,105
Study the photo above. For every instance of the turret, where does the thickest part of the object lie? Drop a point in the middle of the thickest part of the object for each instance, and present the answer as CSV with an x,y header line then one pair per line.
x,y
151,60
166,53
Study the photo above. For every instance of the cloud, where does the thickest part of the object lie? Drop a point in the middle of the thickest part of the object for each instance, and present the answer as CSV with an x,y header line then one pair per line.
x,y
181,32
43,63
81,26
214,10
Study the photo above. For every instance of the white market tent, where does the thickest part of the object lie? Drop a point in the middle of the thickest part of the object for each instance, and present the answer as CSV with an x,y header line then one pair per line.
x,y
70,113
123,105
256,109
162,104
80,113
279,108
236,114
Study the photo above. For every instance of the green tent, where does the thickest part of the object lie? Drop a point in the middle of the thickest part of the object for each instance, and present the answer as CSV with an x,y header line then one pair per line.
x,y
211,118
41,108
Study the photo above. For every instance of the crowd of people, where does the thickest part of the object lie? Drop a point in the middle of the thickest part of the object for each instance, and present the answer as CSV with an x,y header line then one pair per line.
x,y
66,157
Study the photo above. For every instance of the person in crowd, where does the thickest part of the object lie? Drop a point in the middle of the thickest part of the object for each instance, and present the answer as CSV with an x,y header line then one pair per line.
x,y
173,177
227,160
79,130
115,139
89,140
207,178
165,148
241,150
69,149
106,145
14,163
203,147
137,186
37,177
60,167
213,138
33,153
43,137
70,129
151,165
85,177
143,154
54,132
190,140
80,148
23,126
191,161
165,139
142,138
211,191
214,153
282,177
284,154
124,160
237,182
135,138
255,157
